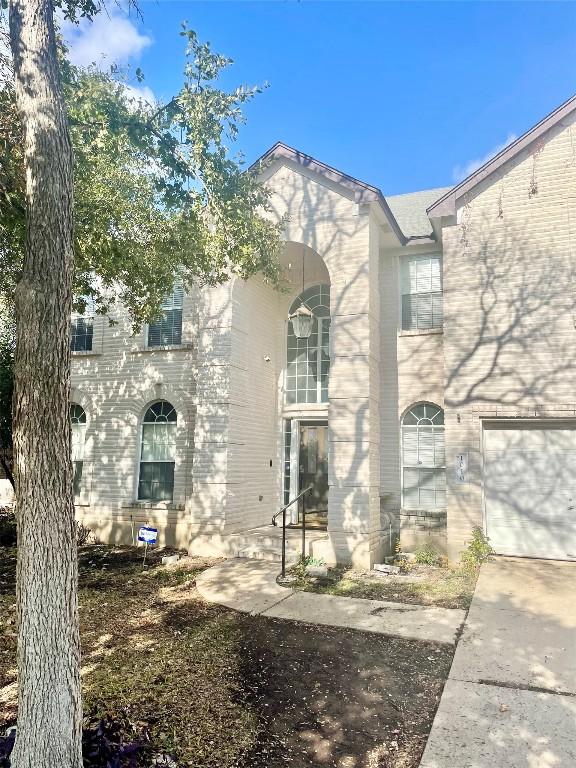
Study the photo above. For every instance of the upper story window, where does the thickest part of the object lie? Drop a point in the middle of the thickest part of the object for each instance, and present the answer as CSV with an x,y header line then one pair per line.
x,y
168,330
308,360
78,428
158,453
421,285
423,458
82,328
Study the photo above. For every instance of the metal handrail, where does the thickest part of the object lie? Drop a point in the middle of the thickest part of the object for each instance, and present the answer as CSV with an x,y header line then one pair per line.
x,y
283,513
294,500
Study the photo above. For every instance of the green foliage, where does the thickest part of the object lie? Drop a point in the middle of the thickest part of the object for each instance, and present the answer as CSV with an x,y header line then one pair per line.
x,y
158,193
478,550
315,562
426,554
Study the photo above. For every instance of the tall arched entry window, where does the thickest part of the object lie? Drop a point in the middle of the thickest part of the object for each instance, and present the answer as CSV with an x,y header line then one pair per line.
x,y
78,428
308,360
158,453
423,458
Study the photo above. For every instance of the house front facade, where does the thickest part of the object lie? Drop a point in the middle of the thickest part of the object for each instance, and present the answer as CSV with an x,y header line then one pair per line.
x,y
433,391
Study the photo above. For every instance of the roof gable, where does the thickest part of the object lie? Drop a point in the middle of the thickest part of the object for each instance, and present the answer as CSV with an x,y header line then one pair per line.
x,y
362,192
447,204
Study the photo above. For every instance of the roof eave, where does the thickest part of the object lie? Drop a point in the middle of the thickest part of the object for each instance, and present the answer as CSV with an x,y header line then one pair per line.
x,y
446,205
363,193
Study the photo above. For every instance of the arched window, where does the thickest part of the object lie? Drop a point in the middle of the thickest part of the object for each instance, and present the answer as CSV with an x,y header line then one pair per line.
x,y
308,360
78,427
158,453
423,458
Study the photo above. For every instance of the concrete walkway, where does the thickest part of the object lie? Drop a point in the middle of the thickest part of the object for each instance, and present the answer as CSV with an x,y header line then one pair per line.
x,y
250,586
510,699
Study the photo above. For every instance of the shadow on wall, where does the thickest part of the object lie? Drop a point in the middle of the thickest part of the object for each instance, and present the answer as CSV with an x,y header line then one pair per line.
x,y
509,347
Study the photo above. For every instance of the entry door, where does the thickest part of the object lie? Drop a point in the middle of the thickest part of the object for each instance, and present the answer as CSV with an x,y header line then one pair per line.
x,y
313,466
530,489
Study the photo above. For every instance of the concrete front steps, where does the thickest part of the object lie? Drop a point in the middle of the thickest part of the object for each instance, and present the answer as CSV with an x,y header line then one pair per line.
x,y
265,543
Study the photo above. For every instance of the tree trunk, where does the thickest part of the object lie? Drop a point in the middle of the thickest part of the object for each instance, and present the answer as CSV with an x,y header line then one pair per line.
x,y
49,701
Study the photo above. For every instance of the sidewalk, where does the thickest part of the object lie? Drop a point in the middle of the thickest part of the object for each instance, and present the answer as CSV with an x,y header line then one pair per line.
x,y
250,586
510,698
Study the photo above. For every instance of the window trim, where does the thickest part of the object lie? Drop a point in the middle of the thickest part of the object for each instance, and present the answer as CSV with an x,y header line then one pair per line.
x,y
403,466
178,285
88,316
404,260
80,495
164,503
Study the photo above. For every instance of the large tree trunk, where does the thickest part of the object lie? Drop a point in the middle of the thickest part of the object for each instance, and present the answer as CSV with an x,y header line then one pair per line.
x,y
49,701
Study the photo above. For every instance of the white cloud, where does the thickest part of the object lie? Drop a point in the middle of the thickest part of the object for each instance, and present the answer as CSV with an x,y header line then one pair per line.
x,y
460,172
140,93
112,38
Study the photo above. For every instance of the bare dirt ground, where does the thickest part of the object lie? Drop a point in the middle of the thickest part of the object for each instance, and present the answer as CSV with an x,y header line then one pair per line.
x,y
423,585
215,689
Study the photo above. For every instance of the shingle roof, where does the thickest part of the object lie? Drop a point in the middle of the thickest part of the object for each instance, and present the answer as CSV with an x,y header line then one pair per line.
x,y
410,210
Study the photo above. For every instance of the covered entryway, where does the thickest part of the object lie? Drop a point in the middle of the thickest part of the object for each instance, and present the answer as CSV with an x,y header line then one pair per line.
x,y
530,488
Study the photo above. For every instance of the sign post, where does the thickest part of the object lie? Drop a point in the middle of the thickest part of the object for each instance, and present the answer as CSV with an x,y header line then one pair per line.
x,y
148,535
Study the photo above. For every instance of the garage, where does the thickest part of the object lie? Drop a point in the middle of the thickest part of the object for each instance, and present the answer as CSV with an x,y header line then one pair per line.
x,y
530,488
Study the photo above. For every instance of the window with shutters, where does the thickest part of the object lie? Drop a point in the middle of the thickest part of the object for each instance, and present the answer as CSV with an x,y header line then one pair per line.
x,y
421,286
167,330
158,453
78,428
308,360
82,328
423,458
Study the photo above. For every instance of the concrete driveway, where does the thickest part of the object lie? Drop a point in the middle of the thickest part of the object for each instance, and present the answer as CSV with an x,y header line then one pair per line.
x,y
510,698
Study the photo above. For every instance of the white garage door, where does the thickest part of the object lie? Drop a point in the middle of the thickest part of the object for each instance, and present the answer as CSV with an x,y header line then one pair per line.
x,y
530,489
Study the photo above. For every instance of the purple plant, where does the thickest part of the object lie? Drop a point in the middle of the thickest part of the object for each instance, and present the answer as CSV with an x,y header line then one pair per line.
x,y
6,745
102,747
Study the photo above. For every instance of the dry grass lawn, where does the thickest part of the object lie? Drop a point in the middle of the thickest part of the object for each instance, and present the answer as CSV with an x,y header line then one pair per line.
x,y
217,689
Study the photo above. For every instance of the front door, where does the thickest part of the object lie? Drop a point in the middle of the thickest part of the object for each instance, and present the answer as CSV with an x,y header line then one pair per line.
x,y
313,468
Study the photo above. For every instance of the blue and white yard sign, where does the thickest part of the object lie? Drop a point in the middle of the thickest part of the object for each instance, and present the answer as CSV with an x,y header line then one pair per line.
x,y
147,534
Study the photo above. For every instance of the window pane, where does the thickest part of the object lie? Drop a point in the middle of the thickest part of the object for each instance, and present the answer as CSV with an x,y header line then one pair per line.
x,y
158,442
437,310
423,458
421,288
424,310
409,312
82,333
305,382
168,330
156,481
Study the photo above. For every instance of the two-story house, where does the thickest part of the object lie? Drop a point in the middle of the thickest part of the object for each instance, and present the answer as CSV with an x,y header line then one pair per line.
x,y
419,373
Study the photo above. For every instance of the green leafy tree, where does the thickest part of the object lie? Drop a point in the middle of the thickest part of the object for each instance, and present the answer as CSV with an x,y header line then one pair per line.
x,y
150,193
157,193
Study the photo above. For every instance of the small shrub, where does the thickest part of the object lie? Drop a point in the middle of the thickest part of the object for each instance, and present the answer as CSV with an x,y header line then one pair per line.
x,y
401,560
316,562
83,534
427,555
7,528
478,550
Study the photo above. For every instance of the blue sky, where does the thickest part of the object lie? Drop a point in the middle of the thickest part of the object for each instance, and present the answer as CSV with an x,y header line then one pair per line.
x,y
405,96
